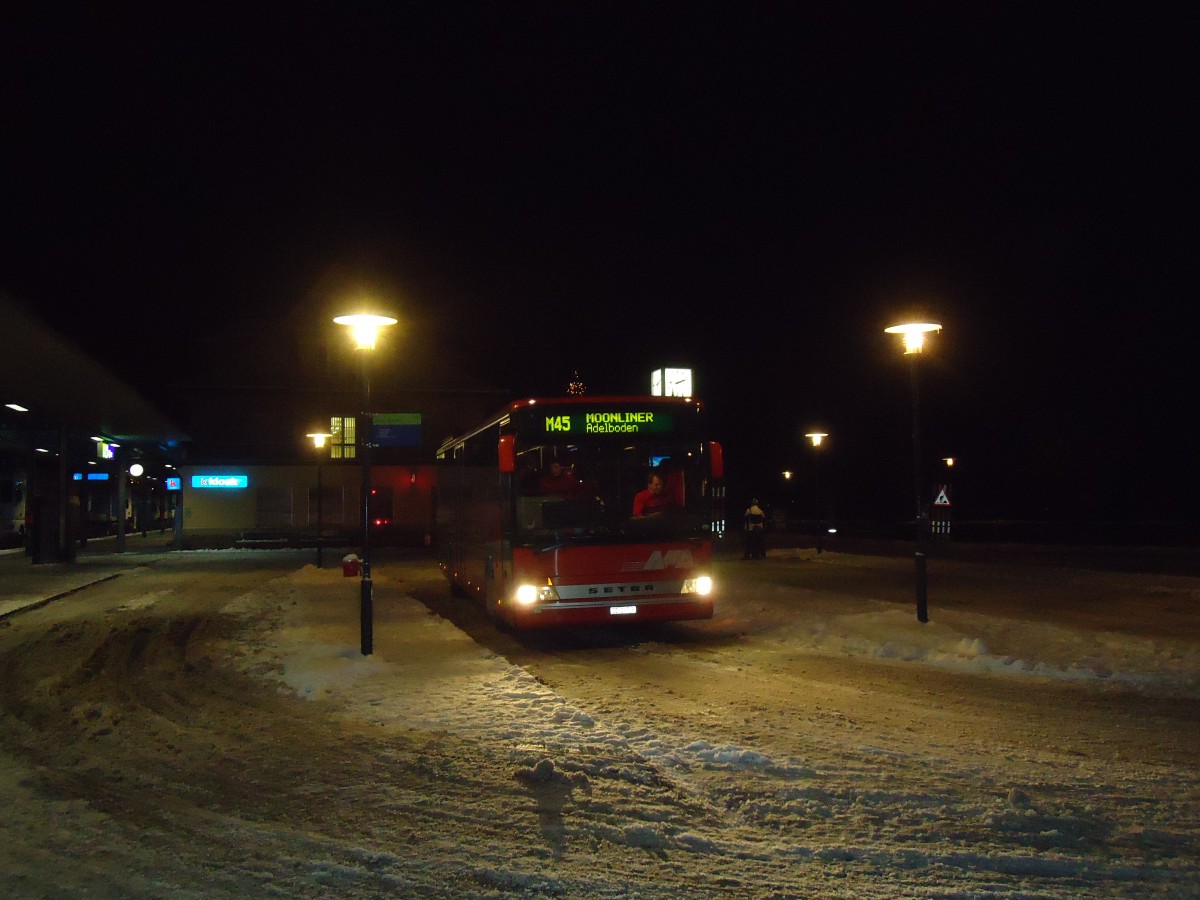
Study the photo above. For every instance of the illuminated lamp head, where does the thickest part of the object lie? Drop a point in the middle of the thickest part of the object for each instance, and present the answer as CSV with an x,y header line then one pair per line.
x,y
364,327
914,334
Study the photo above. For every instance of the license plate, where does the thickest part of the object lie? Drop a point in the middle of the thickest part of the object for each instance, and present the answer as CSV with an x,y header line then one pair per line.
x,y
622,610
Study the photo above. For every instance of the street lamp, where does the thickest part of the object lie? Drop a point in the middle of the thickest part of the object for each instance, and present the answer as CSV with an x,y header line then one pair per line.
x,y
319,438
817,437
364,328
914,341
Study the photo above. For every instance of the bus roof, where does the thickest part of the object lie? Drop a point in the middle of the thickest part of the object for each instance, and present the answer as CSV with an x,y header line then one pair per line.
x,y
602,401
516,406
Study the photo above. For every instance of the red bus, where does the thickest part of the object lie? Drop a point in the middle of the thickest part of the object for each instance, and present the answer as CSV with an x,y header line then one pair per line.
x,y
543,545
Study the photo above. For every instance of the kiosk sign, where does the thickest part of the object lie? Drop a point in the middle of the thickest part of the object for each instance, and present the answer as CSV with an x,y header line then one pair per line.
x,y
220,481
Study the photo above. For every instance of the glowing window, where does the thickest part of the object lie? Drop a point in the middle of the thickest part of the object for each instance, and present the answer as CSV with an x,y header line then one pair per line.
x,y
343,443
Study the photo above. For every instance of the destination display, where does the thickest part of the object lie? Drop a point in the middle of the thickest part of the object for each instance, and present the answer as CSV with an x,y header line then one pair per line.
x,y
628,421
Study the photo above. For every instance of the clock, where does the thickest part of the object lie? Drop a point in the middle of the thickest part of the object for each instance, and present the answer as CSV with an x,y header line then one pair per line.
x,y
671,383
678,382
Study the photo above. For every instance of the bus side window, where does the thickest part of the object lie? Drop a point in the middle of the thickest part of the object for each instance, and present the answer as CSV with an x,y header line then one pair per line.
x,y
529,513
673,486
527,478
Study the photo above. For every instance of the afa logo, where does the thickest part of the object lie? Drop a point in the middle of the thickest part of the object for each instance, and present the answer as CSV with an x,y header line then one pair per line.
x,y
672,559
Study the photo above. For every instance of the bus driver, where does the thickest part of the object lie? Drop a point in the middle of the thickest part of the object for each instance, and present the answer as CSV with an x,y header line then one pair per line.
x,y
651,501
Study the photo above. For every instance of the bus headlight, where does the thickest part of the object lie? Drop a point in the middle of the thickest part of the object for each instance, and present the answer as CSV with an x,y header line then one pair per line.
x,y
701,584
529,594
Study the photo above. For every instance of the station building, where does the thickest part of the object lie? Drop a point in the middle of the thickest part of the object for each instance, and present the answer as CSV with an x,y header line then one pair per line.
x,y
85,456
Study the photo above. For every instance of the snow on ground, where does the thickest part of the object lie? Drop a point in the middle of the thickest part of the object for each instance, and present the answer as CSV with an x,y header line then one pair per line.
x,y
953,640
876,806
204,734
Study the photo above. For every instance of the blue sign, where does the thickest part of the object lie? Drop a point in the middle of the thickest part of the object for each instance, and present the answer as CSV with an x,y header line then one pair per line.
x,y
396,430
174,484
220,481
91,476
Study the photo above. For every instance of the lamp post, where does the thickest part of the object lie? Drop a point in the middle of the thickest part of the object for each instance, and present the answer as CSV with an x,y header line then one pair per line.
x,y
319,438
789,493
914,341
817,438
364,327
137,470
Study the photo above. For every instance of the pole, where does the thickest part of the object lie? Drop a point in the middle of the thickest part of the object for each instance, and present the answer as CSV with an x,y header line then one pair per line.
x,y
122,500
366,610
143,505
64,550
320,563
922,524
820,506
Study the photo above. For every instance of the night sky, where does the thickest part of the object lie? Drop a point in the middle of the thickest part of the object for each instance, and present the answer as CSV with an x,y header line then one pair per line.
x,y
542,188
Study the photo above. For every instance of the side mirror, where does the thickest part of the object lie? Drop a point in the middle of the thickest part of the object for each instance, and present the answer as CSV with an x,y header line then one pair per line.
x,y
508,453
716,460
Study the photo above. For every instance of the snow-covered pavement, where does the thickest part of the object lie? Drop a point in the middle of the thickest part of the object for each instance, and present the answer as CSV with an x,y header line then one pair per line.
x,y
806,742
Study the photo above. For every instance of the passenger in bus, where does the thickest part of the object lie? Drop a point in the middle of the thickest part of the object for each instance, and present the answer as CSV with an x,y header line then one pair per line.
x,y
557,480
652,501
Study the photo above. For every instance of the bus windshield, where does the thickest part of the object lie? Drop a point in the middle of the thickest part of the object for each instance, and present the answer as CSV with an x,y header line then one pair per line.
x,y
577,492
